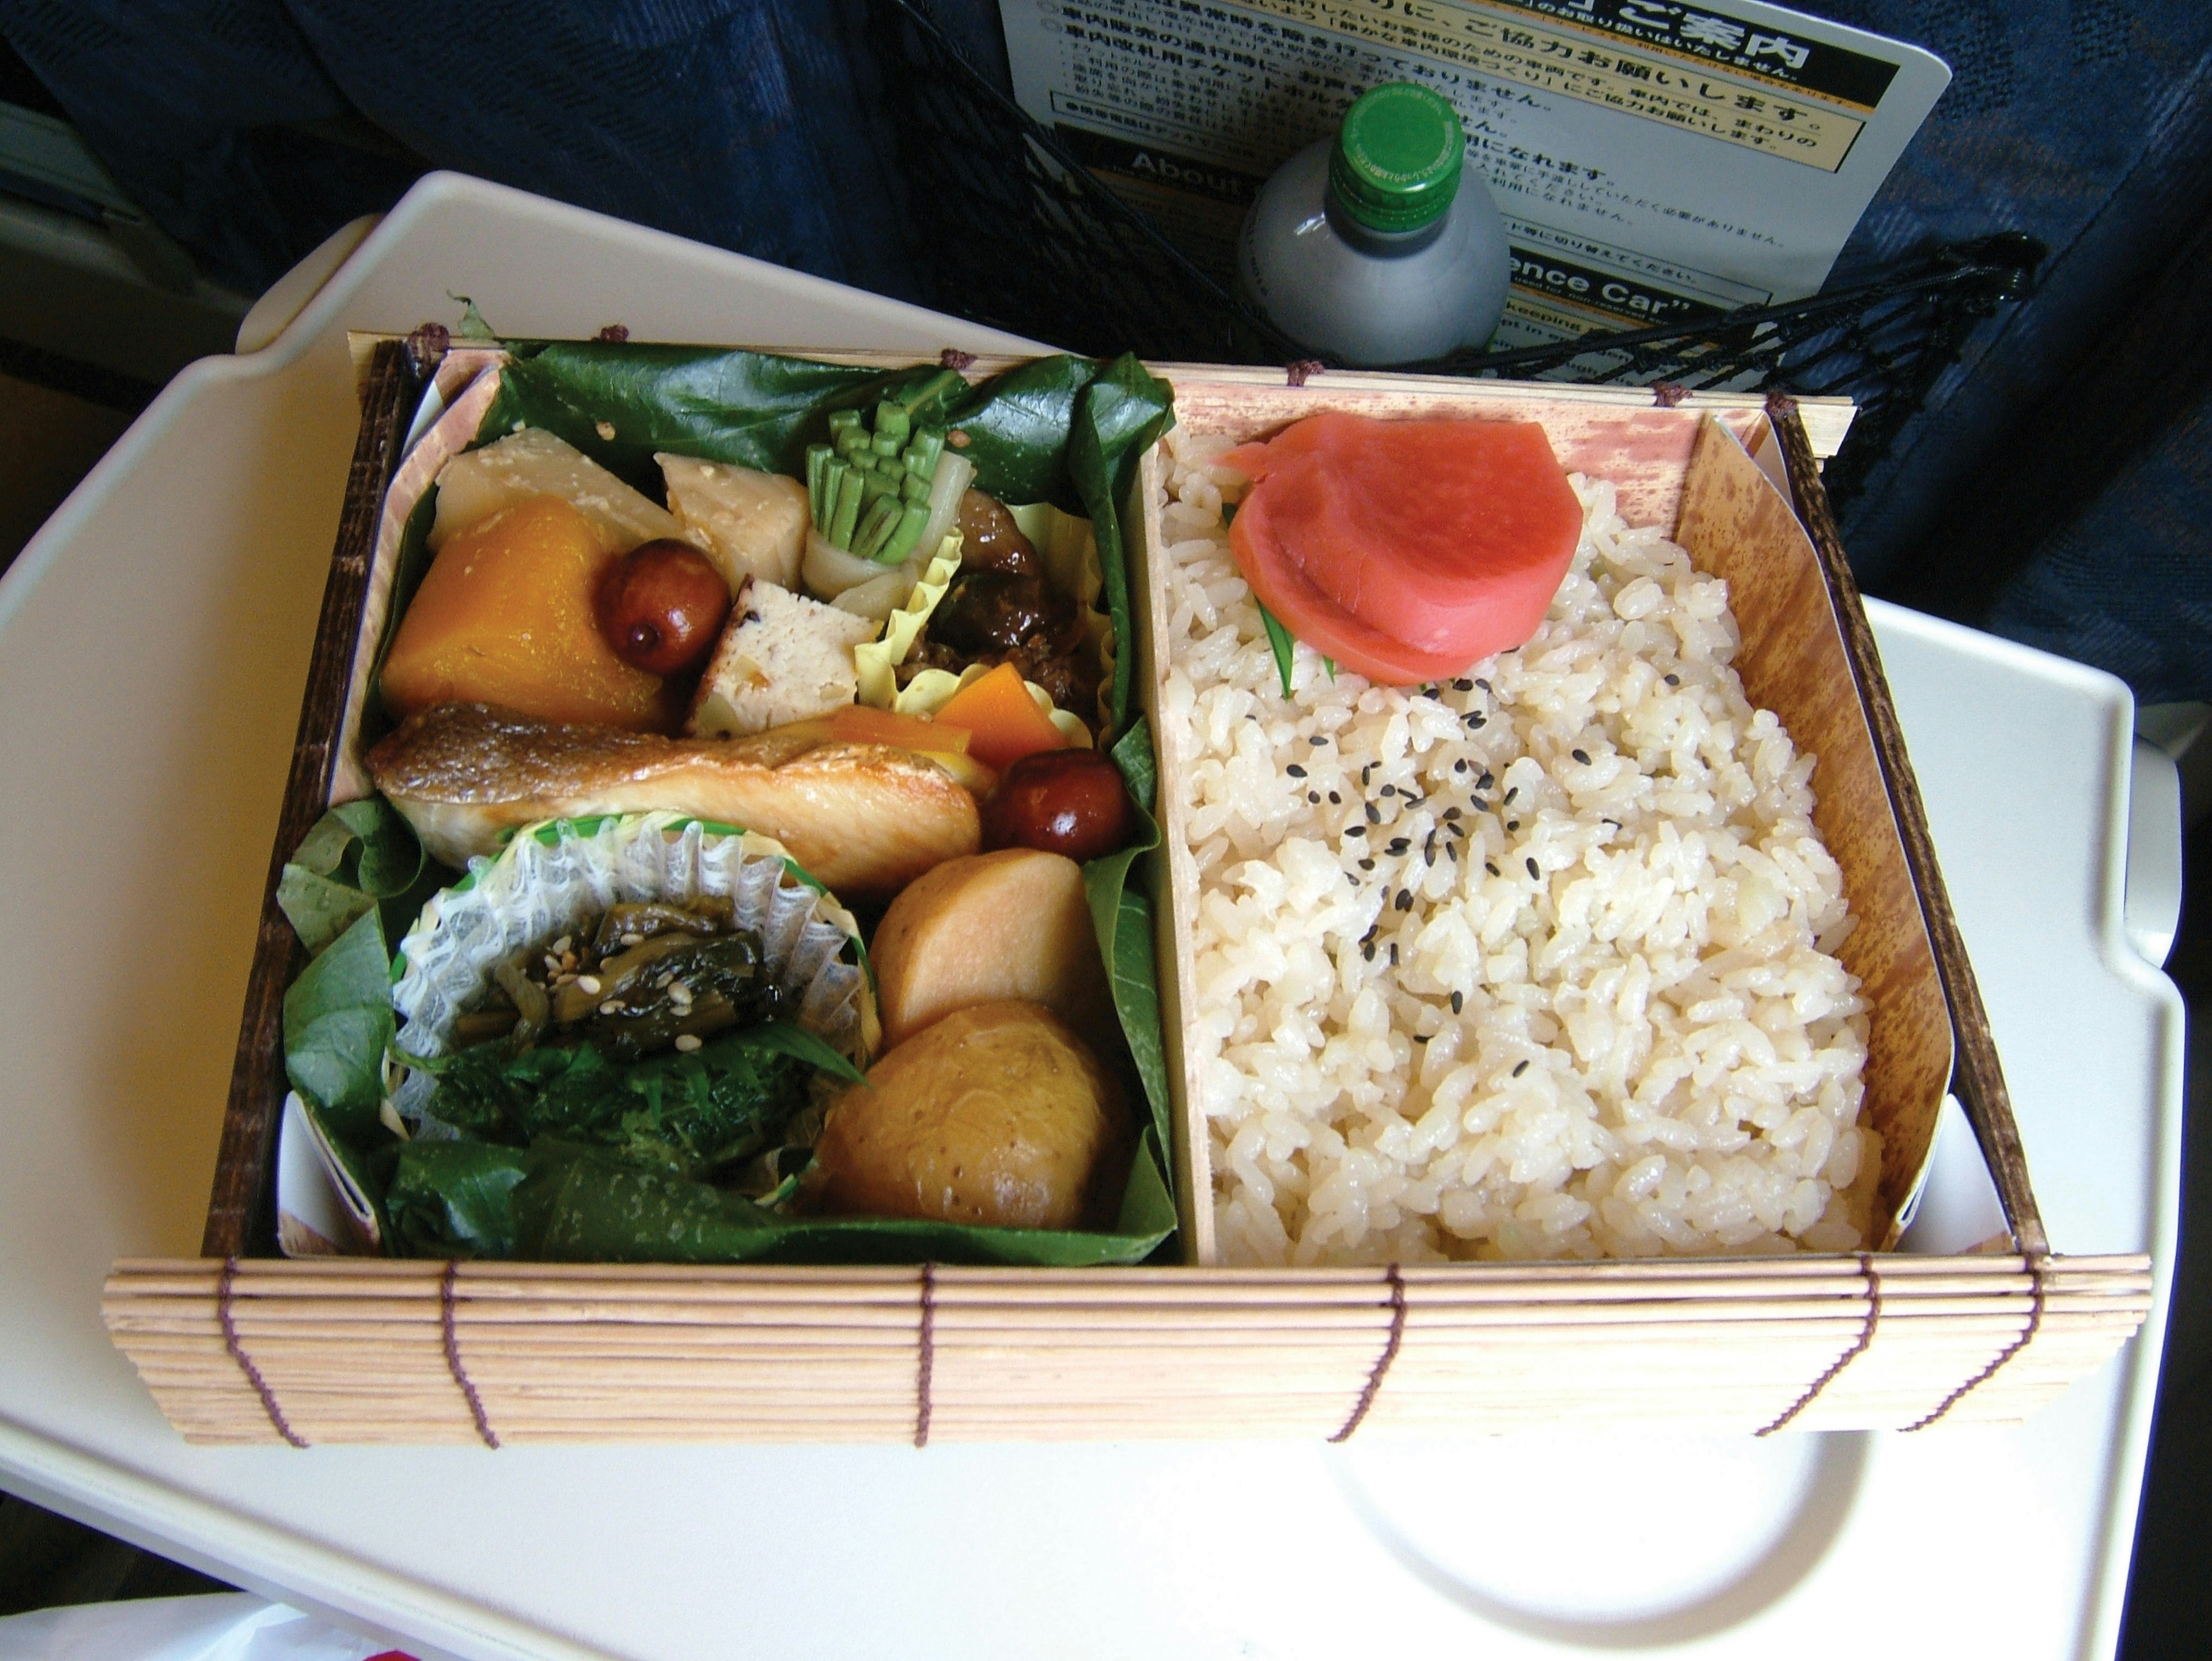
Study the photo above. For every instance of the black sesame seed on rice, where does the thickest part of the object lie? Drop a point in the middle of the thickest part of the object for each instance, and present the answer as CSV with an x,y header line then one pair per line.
x,y
1476,720
1519,1067
1313,797
1397,845
1365,771
1581,755
1532,872
1463,685
1673,680
1295,771
1388,790
1513,824
1483,684
1335,799
1486,780
1374,814
1393,953
1367,864
1452,848
1512,790
1422,1038
1459,1001
1367,950
1404,902
1491,867
1355,830
1317,740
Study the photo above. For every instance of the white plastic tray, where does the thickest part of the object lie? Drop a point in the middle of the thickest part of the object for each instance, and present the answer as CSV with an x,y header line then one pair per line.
x,y
153,639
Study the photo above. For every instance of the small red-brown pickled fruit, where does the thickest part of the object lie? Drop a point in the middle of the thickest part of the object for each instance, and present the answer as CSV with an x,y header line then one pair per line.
x,y
661,607
1070,802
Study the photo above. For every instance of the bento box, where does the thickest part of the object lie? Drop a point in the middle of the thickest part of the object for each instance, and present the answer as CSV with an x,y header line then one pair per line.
x,y
244,1344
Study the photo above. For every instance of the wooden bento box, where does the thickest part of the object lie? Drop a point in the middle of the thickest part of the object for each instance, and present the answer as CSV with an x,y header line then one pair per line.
x,y
240,1345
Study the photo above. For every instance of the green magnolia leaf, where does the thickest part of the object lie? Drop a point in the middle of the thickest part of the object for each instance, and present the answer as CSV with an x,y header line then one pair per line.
x,y
1018,427
338,1019
1122,916
358,855
456,1198
1279,638
1133,753
754,408
1120,415
318,910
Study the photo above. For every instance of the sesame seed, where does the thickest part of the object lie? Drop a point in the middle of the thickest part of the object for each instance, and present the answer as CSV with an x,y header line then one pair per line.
x,y
1452,848
1398,844
1519,1067
1313,797
1673,680
1390,790
1476,720
1367,864
1336,800
552,966
588,984
1512,790
1429,847
1422,1038
686,1042
1367,950
1374,812
1355,830
1317,740
1459,1001
1393,953
1483,684
1581,755
1404,902
1451,813
1366,771
1513,824
1479,805
1532,872
1491,866
1295,771
1463,685
1373,929
1460,765
612,1006
1485,781
561,946
632,940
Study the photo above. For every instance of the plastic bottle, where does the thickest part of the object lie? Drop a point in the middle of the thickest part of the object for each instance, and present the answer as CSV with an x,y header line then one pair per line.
x,y
1373,246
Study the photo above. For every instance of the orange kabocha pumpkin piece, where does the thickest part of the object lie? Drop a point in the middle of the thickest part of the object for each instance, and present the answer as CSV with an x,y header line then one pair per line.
x,y
504,616
1007,725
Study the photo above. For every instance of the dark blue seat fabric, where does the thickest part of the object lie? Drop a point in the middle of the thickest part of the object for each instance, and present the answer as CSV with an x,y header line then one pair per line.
x,y
251,128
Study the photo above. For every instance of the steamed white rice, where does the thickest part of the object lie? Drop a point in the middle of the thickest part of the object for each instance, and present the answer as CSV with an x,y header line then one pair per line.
x,y
1462,992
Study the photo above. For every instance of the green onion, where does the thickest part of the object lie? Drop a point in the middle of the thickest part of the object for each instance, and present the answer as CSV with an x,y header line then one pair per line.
x,y
847,511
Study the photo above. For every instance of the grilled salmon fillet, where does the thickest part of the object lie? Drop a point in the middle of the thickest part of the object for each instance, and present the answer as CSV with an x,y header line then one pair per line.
x,y
866,819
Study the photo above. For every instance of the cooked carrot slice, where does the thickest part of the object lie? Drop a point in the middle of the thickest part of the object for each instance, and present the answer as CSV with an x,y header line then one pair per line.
x,y
1007,725
863,724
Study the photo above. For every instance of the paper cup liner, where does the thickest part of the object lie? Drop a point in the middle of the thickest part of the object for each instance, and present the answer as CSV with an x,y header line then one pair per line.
x,y
553,877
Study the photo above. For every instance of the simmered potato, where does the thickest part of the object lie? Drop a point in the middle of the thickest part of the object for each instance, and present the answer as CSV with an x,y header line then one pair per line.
x,y
996,1114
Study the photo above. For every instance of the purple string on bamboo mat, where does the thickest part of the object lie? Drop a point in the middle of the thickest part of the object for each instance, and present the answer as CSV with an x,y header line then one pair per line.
x,y
1781,405
1668,393
928,1360
1382,1361
224,1288
1299,374
454,1355
1858,1347
2027,1338
953,358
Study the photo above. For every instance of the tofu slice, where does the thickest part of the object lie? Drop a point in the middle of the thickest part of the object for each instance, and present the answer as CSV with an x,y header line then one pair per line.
x,y
782,657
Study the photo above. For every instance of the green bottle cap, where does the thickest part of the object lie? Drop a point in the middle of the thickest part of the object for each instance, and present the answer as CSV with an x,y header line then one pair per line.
x,y
1397,160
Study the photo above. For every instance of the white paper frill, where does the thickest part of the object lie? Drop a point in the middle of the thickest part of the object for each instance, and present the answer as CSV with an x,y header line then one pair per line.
x,y
553,879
